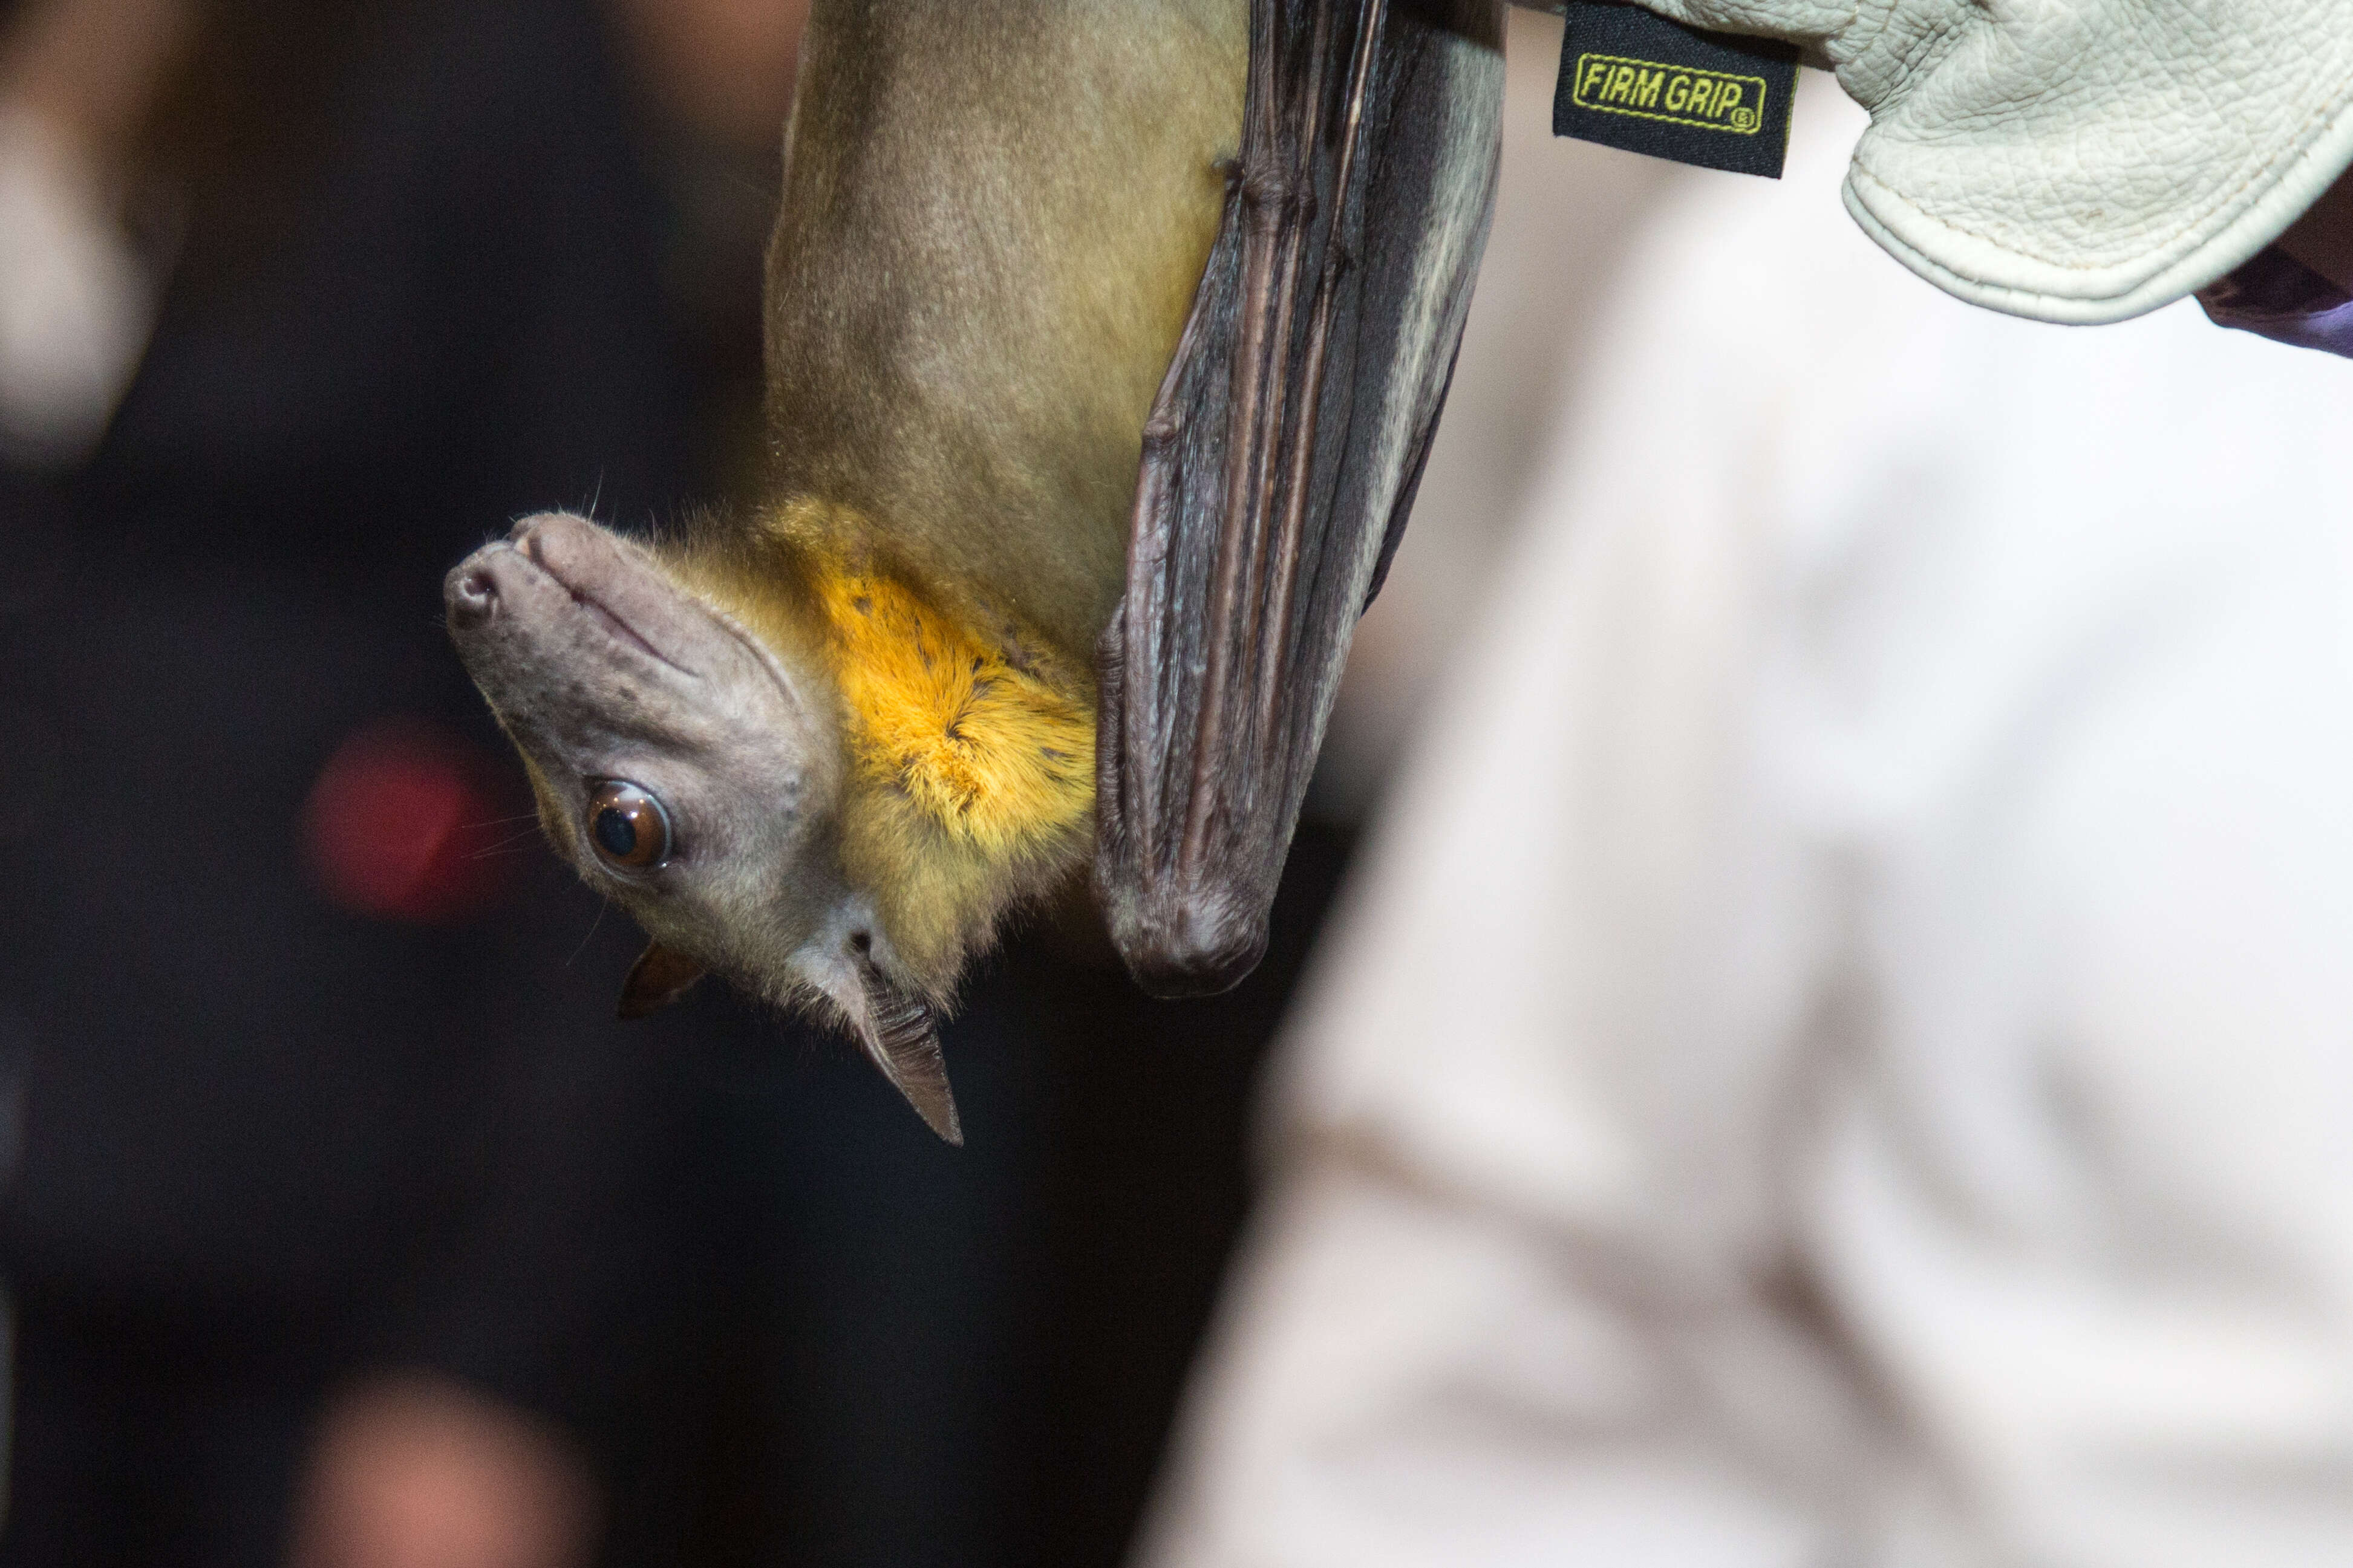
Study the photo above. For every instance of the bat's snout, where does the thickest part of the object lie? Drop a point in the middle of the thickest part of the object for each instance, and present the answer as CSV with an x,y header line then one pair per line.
x,y
482,586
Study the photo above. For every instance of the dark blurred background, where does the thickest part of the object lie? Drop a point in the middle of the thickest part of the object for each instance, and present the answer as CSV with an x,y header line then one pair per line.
x,y
342,1224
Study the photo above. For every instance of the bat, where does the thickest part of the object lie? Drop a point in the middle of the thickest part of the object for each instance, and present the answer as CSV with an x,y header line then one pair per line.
x,y
1104,341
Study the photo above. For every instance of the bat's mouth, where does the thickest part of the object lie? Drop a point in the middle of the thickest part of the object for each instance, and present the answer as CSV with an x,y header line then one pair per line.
x,y
573,558
532,549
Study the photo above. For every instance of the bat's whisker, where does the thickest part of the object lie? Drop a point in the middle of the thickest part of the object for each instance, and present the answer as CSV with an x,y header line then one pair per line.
x,y
602,905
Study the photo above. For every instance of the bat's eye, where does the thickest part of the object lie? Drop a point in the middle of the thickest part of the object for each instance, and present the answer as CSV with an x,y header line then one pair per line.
x,y
628,826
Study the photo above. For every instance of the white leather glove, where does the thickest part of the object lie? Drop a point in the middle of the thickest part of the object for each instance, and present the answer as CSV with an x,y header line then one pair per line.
x,y
2076,160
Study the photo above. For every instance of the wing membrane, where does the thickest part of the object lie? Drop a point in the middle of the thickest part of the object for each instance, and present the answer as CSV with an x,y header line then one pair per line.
x,y
1280,456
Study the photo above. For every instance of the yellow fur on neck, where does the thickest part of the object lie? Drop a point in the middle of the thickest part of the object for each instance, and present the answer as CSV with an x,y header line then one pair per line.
x,y
971,756
1002,758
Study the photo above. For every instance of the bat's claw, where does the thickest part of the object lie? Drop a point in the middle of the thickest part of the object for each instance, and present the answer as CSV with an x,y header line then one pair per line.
x,y
1197,946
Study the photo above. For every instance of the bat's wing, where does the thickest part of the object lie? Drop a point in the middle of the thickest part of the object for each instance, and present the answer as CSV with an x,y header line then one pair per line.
x,y
1281,454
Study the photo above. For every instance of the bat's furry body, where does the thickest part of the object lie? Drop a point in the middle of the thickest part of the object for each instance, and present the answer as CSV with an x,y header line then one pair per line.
x,y
823,746
994,220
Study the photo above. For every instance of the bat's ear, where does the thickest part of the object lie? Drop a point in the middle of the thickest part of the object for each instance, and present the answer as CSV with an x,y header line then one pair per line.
x,y
901,1037
659,978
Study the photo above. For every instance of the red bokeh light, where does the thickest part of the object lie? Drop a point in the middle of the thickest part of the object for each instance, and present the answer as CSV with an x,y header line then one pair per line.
x,y
407,823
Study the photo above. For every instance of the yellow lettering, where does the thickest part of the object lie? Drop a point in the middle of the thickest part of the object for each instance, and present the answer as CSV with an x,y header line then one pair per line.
x,y
1693,96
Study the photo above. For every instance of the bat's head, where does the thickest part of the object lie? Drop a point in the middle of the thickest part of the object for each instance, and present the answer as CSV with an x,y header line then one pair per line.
x,y
693,775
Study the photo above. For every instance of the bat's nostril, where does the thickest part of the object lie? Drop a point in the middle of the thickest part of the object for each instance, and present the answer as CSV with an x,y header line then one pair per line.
x,y
473,596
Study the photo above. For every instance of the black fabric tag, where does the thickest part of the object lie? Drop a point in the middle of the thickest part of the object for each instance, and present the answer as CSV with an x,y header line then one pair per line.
x,y
1632,79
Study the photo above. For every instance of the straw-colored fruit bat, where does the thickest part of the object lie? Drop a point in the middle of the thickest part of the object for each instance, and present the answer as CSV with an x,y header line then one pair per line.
x,y
1104,341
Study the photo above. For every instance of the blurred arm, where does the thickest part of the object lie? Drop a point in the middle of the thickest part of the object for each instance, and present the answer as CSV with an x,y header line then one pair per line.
x,y
78,81
417,1472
